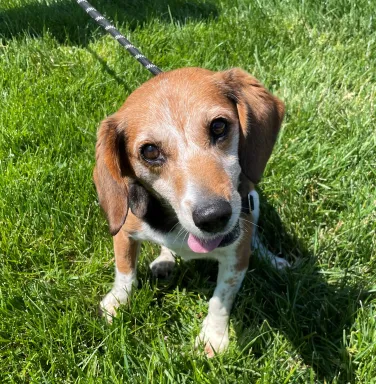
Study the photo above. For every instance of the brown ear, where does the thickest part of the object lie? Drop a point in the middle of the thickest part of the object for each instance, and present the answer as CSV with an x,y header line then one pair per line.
x,y
109,173
260,117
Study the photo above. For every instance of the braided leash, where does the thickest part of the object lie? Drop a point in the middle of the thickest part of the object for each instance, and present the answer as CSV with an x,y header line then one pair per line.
x,y
103,22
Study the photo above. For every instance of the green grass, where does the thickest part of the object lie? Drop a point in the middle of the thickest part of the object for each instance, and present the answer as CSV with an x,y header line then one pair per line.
x,y
60,75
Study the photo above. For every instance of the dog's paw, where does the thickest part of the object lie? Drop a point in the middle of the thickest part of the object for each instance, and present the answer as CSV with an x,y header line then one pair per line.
x,y
213,337
111,302
163,265
262,252
279,263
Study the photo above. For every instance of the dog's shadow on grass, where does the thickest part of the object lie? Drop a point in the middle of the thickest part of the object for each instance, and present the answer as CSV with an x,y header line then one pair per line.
x,y
314,311
70,25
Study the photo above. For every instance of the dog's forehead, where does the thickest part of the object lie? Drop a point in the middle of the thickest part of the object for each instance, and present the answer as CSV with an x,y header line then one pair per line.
x,y
185,83
177,98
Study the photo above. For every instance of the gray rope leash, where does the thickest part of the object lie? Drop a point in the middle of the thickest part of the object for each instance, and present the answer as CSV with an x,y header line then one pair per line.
x,y
103,22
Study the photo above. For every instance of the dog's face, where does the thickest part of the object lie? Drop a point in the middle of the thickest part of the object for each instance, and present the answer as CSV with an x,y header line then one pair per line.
x,y
184,137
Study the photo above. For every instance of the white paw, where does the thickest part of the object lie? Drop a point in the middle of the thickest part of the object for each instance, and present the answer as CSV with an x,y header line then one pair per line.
x,y
111,302
163,265
213,336
280,263
263,253
277,262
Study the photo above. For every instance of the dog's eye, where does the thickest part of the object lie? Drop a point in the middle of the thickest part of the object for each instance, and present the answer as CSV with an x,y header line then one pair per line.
x,y
218,128
151,153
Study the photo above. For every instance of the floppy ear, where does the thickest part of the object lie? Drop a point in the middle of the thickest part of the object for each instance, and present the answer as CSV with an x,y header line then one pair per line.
x,y
260,117
110,171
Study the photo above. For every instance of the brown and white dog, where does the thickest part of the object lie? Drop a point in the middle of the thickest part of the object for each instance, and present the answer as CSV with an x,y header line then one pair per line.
x,y
173,166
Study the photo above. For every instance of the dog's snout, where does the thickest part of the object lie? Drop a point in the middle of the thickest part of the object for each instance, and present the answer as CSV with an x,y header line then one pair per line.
x,y
212,217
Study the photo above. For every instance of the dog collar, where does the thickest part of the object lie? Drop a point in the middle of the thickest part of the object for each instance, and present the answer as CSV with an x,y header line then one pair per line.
x,y
230,237
248,204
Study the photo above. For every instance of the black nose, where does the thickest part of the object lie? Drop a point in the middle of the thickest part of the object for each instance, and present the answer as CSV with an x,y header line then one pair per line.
x,y
213,216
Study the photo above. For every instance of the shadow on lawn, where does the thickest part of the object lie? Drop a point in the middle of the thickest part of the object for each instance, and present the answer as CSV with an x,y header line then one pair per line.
x,y
313,313
69,24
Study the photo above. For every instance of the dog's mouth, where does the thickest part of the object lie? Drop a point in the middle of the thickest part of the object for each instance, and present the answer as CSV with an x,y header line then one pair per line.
x,y
198,245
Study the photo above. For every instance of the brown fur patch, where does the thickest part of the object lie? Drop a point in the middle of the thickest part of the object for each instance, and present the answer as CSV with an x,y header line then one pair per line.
x,y
245,186
243,251
260,116
231,281
179,184
133,224
126,250
109,181
210,176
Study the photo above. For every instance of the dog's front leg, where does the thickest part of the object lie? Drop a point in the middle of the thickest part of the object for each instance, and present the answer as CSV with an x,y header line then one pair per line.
x,y
214,332
126,252
164,264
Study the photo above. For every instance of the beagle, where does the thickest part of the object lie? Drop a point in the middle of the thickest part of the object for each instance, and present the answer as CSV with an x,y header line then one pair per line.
x,y
176,165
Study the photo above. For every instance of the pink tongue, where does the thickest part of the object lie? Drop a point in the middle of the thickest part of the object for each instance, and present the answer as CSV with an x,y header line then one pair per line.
x,y
203,246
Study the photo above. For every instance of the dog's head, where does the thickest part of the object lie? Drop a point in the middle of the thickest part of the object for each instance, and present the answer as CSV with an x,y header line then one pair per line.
x,y
184,137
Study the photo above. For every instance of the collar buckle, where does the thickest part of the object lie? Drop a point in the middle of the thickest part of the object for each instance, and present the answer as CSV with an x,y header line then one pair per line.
x,y
251,203
248,204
